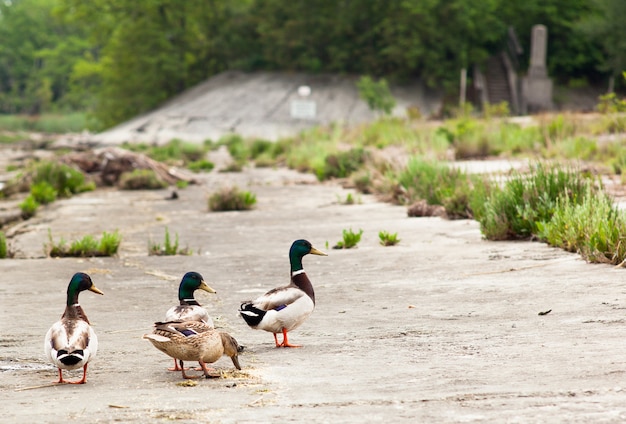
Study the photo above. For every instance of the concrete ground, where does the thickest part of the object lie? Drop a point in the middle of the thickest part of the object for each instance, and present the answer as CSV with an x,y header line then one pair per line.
x,y
442,328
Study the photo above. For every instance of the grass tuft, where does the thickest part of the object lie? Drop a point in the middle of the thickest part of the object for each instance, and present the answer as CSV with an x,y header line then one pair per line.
x,y
231,199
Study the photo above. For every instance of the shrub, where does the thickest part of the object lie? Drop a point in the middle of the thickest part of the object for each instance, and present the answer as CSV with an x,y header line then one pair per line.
x,y
342,164
376,94
231,199
141,179
594,227
436,183
63,178
29,207
201,165
515,210
43,192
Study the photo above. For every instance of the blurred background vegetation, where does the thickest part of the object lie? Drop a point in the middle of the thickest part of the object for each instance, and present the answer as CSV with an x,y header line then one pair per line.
x,y
117,58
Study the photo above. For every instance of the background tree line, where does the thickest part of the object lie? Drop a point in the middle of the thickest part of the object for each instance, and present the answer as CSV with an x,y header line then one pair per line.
x,y
118,58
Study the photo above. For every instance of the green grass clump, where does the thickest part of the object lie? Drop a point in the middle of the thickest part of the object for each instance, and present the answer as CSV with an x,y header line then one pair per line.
x,y
141,179
341,164
437,184
593,227
4,252
515,210
63,178
202,165
388,239
231,199
43,192
175,152
350,239
168,248
88,246
29,207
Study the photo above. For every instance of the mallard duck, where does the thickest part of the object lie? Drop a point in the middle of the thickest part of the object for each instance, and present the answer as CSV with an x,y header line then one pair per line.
x,y
284,309
193,341
189,309
71,342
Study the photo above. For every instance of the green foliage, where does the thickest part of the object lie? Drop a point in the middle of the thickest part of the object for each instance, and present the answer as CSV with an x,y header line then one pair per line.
x,y
430,181
202,165
516,210
611,103
498,110
169,248
4,252
88,246
29,207
594,227
349,200
43,192
350,239
141,179
63,178
119,59
388,239
376,94
50,123
231,199
342,164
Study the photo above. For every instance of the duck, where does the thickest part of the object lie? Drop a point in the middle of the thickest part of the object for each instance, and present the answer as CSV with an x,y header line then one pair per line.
x,y
71,342
283,309
188,308
194,341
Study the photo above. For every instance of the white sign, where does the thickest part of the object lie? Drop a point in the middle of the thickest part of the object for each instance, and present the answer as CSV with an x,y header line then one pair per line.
x,y
303,109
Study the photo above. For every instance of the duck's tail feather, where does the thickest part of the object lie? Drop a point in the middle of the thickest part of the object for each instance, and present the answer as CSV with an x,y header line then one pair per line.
x,y
70,358
251,314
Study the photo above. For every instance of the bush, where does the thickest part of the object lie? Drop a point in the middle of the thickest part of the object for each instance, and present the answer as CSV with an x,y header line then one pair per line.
x,y
594,227
63,178
29,207
141,179
231,199
516,210
342,164
376,94
43,192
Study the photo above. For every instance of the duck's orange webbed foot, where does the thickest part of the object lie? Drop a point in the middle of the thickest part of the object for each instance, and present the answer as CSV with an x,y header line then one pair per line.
x,y
285,342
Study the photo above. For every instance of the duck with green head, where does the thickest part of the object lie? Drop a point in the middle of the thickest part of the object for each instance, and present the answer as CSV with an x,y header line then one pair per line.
x,y
188,308
284,309
71,342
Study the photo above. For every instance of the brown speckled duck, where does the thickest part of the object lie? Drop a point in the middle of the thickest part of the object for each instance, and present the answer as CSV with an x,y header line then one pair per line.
x,y
188,308
71,342
193,341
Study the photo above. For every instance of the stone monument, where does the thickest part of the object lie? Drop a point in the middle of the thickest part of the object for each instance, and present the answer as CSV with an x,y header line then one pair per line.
x,y
537,86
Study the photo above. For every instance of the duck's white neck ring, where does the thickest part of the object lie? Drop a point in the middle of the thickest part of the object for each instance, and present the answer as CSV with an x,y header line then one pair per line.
x,y
76,305
298,272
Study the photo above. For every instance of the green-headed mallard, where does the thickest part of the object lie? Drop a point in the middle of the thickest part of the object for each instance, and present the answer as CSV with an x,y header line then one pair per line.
x,y
283,309
189,309
71,342
193,341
